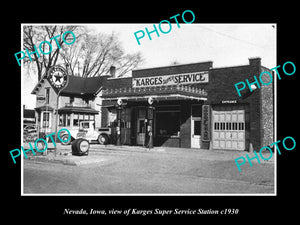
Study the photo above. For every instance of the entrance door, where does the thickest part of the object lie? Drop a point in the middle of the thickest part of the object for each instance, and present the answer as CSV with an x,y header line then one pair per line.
x,y
229,127
141,132
141,128
196,126
196,131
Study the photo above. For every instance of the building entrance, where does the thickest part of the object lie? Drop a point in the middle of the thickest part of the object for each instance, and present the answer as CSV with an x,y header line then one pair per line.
x,y
230,126
196,126
141,126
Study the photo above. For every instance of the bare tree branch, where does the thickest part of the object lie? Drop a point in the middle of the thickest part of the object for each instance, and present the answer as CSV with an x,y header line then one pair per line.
x,y
97,52
34,35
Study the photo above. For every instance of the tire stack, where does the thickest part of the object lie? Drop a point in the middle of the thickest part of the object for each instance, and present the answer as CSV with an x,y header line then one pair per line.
x,y
80,147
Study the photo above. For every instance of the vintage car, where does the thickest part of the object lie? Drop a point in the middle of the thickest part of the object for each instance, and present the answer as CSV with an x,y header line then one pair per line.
x,y
87,131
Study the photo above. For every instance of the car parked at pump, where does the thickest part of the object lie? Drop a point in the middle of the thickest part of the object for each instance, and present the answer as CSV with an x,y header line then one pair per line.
x,y
88,131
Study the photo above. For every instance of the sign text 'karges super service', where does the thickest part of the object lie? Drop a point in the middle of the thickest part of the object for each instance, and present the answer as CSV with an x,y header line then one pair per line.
x,y
174,79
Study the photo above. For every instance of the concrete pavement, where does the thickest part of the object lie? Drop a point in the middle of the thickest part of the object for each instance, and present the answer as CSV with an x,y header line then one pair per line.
x,y
64,155
136,170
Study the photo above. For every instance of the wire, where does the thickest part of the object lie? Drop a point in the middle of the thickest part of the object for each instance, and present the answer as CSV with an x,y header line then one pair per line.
x,y
234,38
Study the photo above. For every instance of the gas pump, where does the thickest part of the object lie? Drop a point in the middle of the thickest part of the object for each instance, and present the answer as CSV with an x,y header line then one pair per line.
x,y
118,128
150,117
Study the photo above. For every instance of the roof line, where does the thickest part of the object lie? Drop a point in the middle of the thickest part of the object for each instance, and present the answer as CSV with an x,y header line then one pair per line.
x,y
186,64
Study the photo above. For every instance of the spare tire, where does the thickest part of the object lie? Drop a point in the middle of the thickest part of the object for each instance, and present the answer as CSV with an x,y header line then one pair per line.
x,y
80,147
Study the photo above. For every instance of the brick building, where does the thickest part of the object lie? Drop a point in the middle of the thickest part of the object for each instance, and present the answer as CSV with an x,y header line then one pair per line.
x,y
194,106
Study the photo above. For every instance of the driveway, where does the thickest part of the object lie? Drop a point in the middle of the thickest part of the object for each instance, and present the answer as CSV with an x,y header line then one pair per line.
x,y
134,170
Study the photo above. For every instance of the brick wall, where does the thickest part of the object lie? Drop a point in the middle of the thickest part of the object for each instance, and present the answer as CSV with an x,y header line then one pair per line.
x,y
267,104
115,83
185,127
177,69
221,87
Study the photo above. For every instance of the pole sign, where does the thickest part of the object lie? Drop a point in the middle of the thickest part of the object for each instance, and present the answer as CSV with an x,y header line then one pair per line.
x,y
57,77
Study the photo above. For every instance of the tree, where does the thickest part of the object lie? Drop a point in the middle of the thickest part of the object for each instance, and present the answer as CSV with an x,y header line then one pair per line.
x,y
34,35
94,54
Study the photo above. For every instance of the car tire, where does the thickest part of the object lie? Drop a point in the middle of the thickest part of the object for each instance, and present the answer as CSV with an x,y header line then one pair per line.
x,y
65,137
103,139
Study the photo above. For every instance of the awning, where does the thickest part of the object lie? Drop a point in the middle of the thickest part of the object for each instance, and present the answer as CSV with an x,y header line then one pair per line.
x,y
158,93
44,108
87,110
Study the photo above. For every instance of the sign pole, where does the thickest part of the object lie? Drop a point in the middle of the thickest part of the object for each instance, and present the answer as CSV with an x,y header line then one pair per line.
x,y
56,121
58,78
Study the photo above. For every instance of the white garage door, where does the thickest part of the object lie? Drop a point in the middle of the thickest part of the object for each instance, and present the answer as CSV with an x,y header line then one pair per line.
x,y
229,127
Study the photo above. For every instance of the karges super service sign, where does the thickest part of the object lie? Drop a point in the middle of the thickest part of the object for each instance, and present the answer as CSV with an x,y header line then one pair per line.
x,y
185,78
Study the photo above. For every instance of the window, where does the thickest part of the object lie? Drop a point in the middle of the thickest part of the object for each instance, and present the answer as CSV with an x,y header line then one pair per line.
x,y
234,125
167,123
71,100
230,126
68,119
46,118
60,120
197,127
47,93
85,125
141,126
142,113
196,111
76,120
64,119
216,126
241,126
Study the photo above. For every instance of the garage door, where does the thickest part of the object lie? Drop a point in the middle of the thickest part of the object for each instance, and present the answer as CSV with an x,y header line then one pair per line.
x,y
229,127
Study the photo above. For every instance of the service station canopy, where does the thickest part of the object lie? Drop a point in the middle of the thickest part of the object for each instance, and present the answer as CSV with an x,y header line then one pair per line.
x,y
172,92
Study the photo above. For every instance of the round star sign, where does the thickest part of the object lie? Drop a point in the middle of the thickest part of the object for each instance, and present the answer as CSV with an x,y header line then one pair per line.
x,y
57,77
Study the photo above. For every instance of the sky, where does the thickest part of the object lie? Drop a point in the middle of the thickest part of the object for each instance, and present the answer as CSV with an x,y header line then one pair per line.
x,y
223,44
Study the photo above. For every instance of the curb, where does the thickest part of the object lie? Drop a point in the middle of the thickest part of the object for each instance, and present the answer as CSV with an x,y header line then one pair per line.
x,y
51,160
67,161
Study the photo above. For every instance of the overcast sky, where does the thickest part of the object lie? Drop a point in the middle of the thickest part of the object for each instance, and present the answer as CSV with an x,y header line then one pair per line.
x,y
224,44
